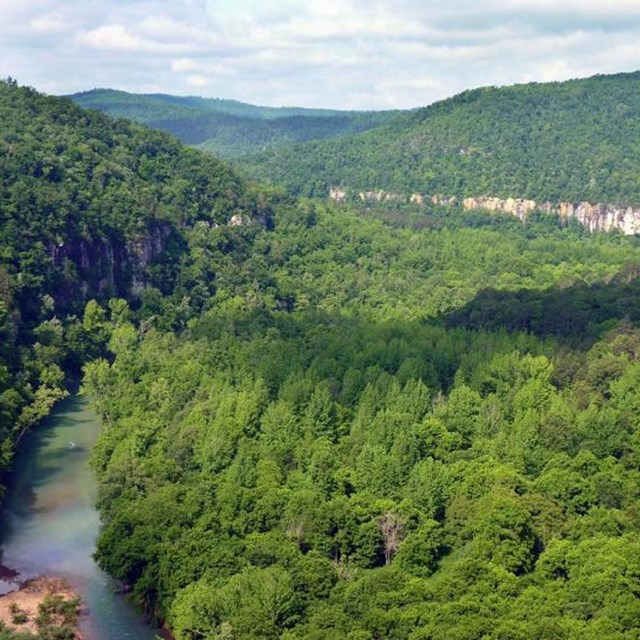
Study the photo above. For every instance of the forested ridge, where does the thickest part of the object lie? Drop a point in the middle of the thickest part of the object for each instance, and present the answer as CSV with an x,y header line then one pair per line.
x,y
337,423
228,128
563,141
331,453
89,209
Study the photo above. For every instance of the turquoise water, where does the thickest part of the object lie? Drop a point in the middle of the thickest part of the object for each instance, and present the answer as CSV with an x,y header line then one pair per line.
x,y
50,524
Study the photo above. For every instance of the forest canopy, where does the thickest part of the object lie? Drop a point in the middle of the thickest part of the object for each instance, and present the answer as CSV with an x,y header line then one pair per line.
x,y
228,128
323,422
90,209
561,141
329,452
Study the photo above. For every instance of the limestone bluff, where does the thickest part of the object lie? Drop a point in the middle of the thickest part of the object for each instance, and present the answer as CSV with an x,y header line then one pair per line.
x,y
594,216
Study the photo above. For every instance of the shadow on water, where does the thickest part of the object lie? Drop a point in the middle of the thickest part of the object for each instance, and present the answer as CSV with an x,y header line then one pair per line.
x,y
40,457
50,523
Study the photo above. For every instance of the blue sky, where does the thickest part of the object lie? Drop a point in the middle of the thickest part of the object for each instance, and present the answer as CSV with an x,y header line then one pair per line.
x,y
351,54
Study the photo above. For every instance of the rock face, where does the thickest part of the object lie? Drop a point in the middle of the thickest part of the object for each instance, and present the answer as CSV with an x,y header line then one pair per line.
x,y
337,194
595,217
143,251
603,217
239,220
114,266
108,266
381,196
516,207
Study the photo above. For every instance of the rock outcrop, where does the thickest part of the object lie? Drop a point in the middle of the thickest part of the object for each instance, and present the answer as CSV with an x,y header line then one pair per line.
x,y
114,266
108,266
381,196
337,194
594,216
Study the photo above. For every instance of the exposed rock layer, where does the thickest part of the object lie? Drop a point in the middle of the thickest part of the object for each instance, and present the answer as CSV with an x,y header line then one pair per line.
x,y
114,266
595,217
110,265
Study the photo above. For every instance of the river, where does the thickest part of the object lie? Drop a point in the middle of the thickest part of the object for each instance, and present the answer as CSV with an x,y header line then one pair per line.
x,y
50,523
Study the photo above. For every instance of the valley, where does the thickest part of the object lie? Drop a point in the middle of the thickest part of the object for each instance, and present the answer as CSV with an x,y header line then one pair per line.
x,y
228,128
333,403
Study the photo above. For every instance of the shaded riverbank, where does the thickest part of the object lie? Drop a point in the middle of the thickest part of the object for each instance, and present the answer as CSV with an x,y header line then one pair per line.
x,y
50,524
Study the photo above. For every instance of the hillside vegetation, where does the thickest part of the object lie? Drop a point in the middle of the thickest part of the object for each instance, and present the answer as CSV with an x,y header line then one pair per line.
x,y
228,128
566,141
334,423
330,452
89,209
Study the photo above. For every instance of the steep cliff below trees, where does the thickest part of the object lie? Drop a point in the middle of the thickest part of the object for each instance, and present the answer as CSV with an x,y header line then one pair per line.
x,y
90,208
111,266
95,207
595,217
576,141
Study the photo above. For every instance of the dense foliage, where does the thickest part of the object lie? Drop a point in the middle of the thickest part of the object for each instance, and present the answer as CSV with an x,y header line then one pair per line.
x,y
227,128
320,456
335,424
89,208
569,141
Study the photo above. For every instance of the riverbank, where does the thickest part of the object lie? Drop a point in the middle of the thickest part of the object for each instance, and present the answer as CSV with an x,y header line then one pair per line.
x,y
50,523
45,602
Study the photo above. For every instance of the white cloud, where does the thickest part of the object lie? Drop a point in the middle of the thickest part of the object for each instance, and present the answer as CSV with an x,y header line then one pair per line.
x,y
184,64
336,19
553,70
197,80
51,23
598,7
16,9
338,53
116,37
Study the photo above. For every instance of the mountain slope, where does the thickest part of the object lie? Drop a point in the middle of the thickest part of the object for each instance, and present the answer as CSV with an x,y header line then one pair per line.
x,y
89,209
571,141
316,459
228,128
329,426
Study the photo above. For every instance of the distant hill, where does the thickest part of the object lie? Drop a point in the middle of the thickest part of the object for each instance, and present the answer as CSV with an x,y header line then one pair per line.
x,y
323,422
228,128
572,141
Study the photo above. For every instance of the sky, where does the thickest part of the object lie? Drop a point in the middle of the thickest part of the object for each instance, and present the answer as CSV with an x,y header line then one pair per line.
x,y
344,54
